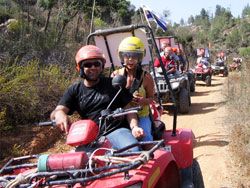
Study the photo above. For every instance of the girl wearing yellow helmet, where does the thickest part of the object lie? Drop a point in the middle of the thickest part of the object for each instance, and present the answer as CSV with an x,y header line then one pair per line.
x,y
139,82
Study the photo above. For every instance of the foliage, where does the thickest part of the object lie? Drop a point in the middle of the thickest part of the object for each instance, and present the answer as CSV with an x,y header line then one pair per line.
x,y
14,26
184,37
239,122
191,20
28,93
246,11
233,39
202,19
245,52
47,4
245,33
99,23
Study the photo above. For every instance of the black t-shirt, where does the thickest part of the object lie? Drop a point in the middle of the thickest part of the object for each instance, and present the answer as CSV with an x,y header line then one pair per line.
x,y
90,101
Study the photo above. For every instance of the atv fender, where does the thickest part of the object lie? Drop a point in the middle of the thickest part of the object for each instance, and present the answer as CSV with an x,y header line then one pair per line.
x,y
181,146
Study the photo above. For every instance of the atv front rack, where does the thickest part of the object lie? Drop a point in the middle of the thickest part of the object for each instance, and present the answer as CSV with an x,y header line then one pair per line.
x,y
10,174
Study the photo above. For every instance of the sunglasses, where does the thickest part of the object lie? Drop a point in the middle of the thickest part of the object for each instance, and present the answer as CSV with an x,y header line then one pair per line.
x,y
90,64
130,55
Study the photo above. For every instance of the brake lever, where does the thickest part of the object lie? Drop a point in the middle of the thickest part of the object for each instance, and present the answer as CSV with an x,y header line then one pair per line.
x,y
46,123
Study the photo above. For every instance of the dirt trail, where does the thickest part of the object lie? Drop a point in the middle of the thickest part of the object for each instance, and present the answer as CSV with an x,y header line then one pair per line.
x,y
206,118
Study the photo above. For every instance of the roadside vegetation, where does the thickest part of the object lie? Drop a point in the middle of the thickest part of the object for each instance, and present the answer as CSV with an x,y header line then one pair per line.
x,y
39,38
238,122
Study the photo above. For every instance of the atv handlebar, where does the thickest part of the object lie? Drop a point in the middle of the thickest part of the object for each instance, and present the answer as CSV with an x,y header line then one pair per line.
x,y
47,123
104,114
121,112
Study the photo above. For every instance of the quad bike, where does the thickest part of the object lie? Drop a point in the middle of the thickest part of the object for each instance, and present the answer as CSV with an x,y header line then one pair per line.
x,y
236,65
219,68
174,43
180,85
165,162
203,72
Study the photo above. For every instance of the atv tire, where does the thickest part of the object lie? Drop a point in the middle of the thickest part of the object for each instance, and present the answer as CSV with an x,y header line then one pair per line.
x,y
191,177
192,86
197,175
184,101
208,80
225,73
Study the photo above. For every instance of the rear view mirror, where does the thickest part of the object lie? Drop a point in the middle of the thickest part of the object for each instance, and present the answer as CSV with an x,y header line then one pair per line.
x,y
119,81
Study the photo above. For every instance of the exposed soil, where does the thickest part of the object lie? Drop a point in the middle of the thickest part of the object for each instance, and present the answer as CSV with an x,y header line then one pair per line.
x,y
206,119
26,140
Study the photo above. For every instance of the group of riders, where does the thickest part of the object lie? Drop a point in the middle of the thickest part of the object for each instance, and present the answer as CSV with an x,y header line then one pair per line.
x,y
221,58
94,92
172,58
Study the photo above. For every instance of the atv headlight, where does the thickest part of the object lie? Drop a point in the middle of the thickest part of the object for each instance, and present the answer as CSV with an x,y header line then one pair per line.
x,y
221,68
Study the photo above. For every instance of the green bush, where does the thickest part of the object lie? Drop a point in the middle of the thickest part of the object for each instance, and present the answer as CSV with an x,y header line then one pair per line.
x,y
245,52
29,93
14,26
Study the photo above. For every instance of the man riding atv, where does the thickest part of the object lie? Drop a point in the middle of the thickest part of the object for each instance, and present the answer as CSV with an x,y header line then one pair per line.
x,y
203,70
236,65
179,82
220,67
91,95
167,60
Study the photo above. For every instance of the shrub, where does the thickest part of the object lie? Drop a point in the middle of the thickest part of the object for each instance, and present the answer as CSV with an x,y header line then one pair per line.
x,y
29,93
245,52
239,121
14,25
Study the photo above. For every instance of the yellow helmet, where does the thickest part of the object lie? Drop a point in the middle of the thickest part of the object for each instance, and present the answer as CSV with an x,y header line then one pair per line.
x,y
132,45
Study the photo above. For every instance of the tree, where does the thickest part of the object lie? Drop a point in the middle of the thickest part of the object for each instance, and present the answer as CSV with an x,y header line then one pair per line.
x,y
232,40
246,11
218,10
68,11
47,5
245,33
204,14
117,12
203,19
191,20
182,23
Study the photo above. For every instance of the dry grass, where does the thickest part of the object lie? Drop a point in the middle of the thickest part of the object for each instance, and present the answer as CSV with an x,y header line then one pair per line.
x,y
239,124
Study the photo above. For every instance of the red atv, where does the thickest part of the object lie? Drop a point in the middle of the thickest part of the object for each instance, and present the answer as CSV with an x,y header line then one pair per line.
x,y
165,162
203,72
236,65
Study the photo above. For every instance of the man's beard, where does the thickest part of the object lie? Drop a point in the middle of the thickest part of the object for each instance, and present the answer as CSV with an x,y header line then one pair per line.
x,y
91,78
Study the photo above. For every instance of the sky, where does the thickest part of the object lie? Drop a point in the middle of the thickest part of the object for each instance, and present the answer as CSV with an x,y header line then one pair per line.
x,y
185,8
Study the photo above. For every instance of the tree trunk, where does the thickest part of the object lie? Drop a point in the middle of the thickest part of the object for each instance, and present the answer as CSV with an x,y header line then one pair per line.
x,y
59,35
77,27
47,21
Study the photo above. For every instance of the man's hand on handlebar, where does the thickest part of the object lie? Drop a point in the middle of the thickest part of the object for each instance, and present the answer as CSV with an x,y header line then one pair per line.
x,y
59,115
137,132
